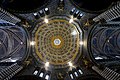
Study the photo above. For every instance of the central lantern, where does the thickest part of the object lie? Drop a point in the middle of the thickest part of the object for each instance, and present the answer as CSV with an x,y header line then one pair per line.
x,y
56,42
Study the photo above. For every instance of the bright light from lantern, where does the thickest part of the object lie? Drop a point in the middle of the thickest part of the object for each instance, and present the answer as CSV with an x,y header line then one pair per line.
x,y
81,42
46,20
32,43
74,32
47,64
70,64
71,20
